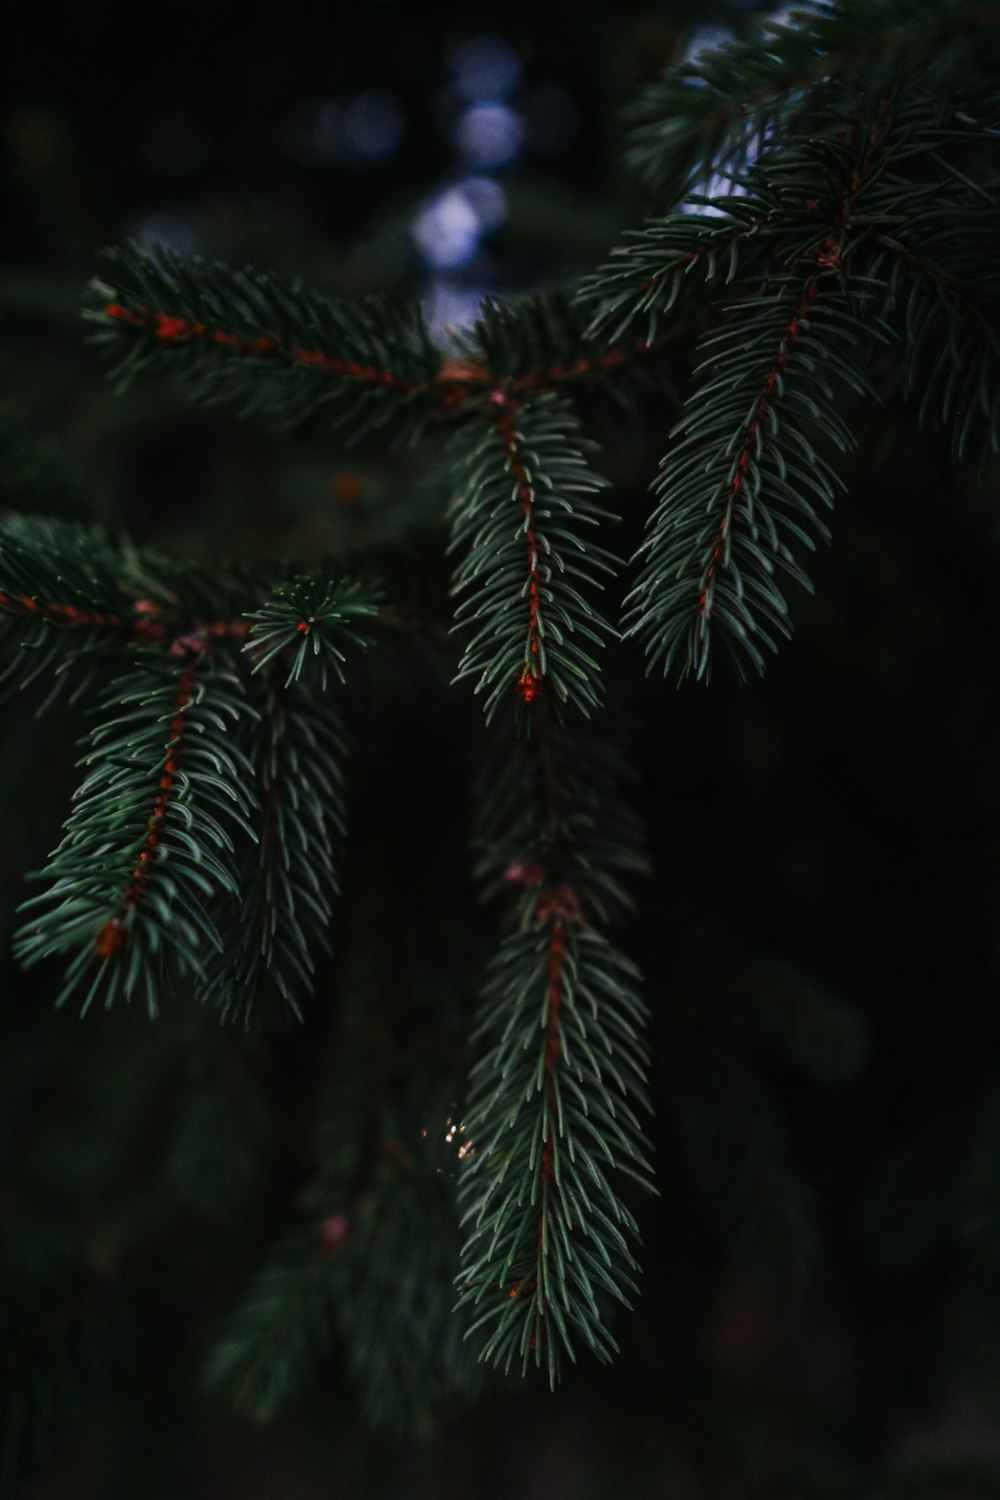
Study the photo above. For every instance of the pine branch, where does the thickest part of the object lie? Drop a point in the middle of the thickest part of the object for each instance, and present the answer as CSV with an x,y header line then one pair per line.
x,y
551,1120
289,876
553,810
709,115
550,1125
646,276
65,602
937,244
307,622
147,847
246,336
541,342
745,479
526,489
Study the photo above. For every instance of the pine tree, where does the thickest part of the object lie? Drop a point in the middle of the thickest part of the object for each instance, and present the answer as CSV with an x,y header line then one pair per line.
x,y
822,235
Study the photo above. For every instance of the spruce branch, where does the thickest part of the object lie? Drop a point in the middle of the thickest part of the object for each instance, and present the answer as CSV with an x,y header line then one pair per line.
x,y
745,479
244,335
66,602
308,621
646,277
288,877
709,115
552,1118
550,1125
148,846
526,493
284,349
935,243
553,808
542,342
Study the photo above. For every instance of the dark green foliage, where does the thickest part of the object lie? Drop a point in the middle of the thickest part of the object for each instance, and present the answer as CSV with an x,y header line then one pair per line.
x,y
704,116
289,874
132,883
548,1238
64,600
202,840
811,246
307,622
669,262
589,838
745,487
521,520
524,339
365,1275
852,254
561,1062
281,350
375,1282
934,244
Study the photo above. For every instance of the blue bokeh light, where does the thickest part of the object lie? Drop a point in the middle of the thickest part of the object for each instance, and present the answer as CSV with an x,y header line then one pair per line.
x,y
487,199
488,135
447,230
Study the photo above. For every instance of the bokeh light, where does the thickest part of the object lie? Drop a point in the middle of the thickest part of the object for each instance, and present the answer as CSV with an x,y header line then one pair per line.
x,y
488,135
447,230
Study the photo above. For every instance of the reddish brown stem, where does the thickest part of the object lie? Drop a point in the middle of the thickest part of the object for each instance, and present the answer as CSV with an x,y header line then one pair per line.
x,y
60,614
748,447
112,936
457,383
530,680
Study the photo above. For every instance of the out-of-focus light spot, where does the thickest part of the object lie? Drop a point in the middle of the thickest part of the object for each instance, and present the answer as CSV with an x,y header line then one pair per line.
x,y
487,200
553,120
447,230
373,125
486,69
449,309
175,143
313,132
163,229
488,135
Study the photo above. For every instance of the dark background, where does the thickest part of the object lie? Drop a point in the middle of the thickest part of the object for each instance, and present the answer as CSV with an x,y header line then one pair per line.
x,y
828,1325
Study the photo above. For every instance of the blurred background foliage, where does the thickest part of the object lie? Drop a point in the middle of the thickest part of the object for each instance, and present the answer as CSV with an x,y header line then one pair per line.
x,y
820,1301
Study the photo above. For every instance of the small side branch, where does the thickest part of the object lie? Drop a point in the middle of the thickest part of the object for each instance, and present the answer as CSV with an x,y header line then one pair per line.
x,y
112,937
169,330
747,455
